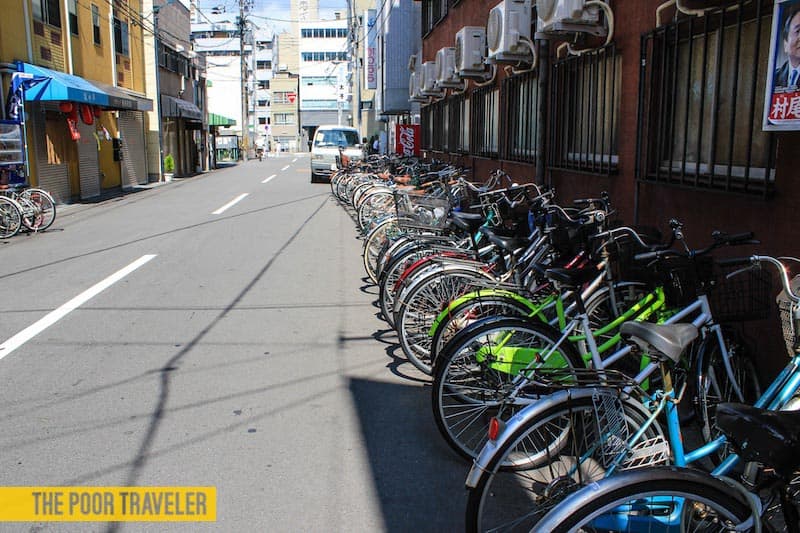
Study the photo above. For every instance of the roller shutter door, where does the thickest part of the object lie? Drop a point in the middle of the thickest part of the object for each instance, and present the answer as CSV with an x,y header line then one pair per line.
x,y
88,163
53,178
134,158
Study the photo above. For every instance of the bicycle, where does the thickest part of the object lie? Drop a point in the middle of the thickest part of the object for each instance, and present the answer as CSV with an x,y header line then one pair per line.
x,y
526,434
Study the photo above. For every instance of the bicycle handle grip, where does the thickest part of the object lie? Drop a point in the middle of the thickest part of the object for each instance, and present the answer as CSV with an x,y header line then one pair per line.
x,y
741,238
646,256
734,261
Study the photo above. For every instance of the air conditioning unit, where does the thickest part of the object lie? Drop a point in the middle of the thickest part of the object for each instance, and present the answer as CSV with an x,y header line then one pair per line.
x,y
446,76
567,17
428,80
470,52
509,30
414,94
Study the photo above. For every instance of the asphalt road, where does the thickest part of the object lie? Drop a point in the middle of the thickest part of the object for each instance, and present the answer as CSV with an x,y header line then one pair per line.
x,y
239,349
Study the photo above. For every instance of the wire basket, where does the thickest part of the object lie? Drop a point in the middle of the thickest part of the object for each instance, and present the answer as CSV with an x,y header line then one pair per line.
x,y
417,211
790,319
683,278
742,297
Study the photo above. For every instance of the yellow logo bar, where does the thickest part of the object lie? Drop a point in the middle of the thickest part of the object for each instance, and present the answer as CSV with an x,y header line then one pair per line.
x,y
108,504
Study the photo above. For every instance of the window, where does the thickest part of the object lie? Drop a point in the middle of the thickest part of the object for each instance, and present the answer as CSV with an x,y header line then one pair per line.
x,y
121,37
263,84
283,118
262,103
48,11
280,98
263,65
520,109
262,120
485,126
73,16
96,24
701,101
585,100
324,56
433,11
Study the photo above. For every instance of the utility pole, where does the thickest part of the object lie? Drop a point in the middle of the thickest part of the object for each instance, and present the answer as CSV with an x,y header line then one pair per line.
x,y
243,62
156,42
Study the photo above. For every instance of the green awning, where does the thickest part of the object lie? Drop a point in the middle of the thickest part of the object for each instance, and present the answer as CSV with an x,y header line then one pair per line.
x,y
219,120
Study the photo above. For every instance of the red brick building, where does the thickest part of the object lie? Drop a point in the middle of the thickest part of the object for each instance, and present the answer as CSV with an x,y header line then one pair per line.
x,y
666,115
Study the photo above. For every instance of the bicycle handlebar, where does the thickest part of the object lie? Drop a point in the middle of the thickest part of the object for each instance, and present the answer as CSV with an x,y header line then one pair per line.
x,y
757,260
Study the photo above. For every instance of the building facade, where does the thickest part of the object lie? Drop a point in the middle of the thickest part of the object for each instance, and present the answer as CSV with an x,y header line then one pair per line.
x,y
79,67
663,112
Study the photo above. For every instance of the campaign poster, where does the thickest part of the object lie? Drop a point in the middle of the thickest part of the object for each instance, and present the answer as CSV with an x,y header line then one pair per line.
x,y
782,99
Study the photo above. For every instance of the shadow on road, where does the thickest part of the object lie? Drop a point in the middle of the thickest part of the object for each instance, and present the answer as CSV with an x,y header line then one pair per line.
x,y
418,481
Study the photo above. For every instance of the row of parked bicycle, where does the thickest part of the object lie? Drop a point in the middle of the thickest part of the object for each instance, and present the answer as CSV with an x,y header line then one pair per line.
x,y
572,357
25,209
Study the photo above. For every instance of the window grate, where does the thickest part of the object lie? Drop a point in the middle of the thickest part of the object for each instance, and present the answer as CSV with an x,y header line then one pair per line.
x,y
701,102
585,100
520,111
485,121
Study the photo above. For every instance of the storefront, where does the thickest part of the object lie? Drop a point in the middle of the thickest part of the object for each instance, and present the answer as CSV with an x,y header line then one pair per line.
x,y
183,134
84,137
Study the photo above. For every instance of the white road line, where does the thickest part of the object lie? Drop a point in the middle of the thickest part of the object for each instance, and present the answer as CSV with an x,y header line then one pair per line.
x,y
54,316
229,204
284,168
294,160
268,179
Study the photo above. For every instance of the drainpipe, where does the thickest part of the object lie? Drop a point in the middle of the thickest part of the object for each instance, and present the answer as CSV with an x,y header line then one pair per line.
x,y
28,30
541,118
113,44
68,40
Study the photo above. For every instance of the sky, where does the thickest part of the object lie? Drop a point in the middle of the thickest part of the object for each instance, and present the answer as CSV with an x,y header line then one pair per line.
x,y
276,10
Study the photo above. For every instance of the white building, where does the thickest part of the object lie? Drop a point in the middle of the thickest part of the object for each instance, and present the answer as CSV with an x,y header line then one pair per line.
x,y
324,91
216,36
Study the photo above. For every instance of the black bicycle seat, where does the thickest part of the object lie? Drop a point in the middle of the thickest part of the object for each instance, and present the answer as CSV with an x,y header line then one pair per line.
x,y
572,277
469,222
768,437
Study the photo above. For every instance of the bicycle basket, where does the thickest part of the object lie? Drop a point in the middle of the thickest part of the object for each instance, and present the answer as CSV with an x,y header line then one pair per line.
x,y
744,296
790,318
621,252
683,278
420,211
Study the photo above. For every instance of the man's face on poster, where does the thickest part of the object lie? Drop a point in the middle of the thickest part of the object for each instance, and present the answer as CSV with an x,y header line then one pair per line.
x,y
791,45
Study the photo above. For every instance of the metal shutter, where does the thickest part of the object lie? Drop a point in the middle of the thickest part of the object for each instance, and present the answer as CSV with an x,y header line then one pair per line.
x,y
52,178
134,158
88,163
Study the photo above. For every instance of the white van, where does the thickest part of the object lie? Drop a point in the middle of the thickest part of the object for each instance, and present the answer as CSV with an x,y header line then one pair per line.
x,y
325,149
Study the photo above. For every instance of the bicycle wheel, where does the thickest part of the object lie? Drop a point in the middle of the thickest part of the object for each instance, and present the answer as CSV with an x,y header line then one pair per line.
x,y
10,217
423,301
44,209
654,499
475,371
375,203
567,441
714,385
390,276
474,307
374,241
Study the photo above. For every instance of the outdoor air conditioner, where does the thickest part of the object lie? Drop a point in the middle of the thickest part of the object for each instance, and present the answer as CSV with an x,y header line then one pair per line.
x,y
446,76
414,94
566,17
508,31
428,80
470,50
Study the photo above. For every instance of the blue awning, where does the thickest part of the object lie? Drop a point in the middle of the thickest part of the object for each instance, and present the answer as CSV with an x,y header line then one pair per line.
x,y
63,87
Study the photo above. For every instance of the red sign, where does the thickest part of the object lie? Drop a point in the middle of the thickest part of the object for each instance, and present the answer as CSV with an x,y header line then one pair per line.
x,y
407,139
785,107
291,97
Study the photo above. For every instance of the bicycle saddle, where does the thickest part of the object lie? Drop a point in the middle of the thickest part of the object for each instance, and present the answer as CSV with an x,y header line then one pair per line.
x,y
469,222
669,339
572,277
508,243
768,437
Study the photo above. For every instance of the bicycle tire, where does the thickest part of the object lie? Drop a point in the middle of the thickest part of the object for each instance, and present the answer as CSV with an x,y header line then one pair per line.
x,y
373,243
45,209
10,217
701,496
468,390
545,459
422,301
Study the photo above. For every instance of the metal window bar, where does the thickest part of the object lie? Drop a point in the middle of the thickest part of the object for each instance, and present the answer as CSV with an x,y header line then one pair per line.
x,y
700,103
585,100
520,109
484,125
455,122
